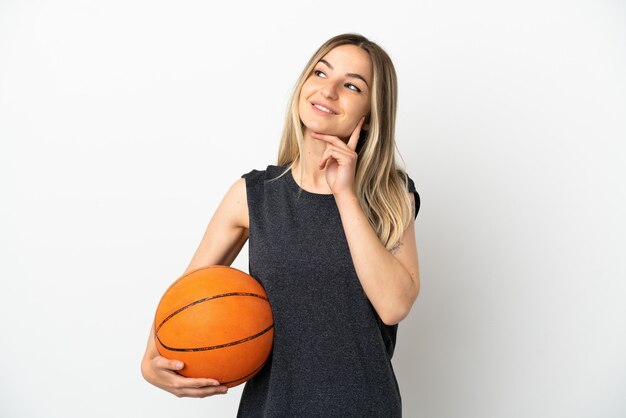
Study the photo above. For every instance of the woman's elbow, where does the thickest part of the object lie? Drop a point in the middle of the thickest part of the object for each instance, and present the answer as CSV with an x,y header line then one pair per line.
x,y
399,311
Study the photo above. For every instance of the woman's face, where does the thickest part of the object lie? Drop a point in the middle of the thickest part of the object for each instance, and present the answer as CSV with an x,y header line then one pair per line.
x,y
340,83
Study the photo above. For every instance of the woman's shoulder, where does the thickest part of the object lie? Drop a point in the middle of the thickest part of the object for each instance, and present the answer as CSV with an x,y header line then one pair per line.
x,y
406,178
410,187
259,176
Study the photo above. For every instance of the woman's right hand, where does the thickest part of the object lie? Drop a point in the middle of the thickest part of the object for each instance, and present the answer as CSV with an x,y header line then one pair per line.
x,y
162,373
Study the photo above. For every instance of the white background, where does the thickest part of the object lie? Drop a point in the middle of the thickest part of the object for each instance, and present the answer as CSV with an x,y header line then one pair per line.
x,y
123,123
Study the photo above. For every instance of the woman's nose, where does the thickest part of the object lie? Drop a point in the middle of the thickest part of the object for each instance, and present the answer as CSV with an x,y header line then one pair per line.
x,y
329,90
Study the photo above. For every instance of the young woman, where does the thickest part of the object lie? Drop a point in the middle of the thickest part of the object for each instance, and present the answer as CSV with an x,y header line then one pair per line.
x,y
331,233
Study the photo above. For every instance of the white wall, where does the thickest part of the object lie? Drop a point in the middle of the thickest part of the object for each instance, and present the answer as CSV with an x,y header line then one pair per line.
x,y
123,123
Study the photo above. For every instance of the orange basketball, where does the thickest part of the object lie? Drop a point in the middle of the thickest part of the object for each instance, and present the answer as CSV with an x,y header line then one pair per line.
x,y
218,321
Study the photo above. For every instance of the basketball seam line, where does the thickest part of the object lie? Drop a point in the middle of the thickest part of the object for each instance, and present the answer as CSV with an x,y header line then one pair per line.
x,y
213,347
205,300
249,374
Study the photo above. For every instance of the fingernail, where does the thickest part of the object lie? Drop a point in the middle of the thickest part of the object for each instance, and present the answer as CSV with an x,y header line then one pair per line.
x,y
179,365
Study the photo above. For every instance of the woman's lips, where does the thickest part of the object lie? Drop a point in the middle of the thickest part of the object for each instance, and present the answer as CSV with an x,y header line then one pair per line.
x,y
321,112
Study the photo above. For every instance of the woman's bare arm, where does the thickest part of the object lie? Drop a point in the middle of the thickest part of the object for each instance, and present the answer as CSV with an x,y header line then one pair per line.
x,y
227,231
223,239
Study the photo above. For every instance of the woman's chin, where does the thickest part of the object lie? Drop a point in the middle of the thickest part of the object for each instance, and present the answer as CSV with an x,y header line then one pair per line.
x,y
321,128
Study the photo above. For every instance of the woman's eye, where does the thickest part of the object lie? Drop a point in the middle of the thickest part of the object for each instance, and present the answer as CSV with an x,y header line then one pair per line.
x,y
351,86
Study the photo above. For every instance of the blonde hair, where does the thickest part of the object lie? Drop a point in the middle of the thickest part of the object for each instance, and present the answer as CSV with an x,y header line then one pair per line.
x,y
381,186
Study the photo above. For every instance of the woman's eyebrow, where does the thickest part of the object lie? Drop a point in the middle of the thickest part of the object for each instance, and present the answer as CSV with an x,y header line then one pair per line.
x,y
353,75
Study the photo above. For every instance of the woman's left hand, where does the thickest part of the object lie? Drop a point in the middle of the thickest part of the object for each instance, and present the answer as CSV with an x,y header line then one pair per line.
x,y
339,159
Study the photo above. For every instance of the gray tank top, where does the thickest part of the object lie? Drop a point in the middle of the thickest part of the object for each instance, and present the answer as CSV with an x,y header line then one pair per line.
x,y
332,353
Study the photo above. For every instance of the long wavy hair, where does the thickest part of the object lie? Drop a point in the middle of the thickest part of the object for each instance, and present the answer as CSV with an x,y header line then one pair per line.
x,y
382,186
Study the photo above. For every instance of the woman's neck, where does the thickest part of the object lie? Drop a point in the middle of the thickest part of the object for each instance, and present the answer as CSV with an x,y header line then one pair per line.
x,y
314,179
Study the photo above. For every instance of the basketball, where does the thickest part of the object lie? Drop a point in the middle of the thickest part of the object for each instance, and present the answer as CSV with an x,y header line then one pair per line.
x,y
218,321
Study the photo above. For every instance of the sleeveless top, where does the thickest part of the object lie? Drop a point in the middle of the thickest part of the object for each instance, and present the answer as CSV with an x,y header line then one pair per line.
x,y
331,355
